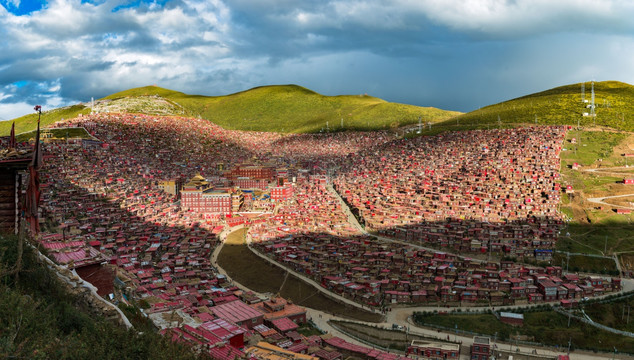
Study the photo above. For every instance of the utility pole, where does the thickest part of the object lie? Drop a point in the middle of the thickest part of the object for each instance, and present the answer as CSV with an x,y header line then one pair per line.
x,y
567,261
593,114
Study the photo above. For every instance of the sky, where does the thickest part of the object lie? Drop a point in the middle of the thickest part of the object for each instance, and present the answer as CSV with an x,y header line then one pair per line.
x,y
451,54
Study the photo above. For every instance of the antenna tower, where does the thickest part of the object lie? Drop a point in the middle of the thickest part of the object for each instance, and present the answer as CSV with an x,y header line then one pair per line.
x,y
592,108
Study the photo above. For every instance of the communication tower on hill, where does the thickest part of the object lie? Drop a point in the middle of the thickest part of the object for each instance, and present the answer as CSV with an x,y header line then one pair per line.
x,y
592,113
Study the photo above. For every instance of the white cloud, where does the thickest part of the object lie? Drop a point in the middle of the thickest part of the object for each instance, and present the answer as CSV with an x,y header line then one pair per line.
x,y
83,43
12,111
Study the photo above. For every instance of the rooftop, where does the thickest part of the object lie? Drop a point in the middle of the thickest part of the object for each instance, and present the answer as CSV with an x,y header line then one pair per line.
x,y
235,311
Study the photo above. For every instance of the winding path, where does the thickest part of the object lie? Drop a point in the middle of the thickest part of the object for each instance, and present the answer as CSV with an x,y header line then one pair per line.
x,y
609,170
400,315
601,200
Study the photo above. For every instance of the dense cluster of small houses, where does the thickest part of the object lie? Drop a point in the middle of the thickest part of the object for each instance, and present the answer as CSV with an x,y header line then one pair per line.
x,y
382,273
133,196
479,191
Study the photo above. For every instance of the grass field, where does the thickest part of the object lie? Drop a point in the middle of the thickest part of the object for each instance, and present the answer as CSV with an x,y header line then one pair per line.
x,y
576,263
546,327
614,314
258,274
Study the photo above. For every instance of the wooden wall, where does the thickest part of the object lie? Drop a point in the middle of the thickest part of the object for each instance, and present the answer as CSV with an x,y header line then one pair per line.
x,y
8,196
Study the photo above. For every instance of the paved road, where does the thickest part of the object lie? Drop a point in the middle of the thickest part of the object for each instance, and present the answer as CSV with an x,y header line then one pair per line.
x,y
601,200
401,315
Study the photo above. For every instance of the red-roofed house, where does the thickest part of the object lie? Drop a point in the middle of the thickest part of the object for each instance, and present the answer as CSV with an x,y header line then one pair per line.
x,y
284,325
225,352
278,308
226,331
239,313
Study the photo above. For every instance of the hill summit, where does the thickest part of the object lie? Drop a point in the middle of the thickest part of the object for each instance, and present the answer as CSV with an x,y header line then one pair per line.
x,y
278,108
283,108
564,105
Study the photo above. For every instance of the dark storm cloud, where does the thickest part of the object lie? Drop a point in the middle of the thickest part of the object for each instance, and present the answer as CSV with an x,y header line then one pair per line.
x,y
454,54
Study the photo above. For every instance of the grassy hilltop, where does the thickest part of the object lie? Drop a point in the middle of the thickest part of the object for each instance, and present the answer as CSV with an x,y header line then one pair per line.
x,y
614,107
291,108
279,108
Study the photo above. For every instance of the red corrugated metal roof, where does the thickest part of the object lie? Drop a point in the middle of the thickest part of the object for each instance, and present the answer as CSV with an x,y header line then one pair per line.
x,y
222,328
284,324
235,311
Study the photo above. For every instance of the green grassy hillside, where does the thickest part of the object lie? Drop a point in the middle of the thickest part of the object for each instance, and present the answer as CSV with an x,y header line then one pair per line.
x,y
562,105
29,122
291,108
